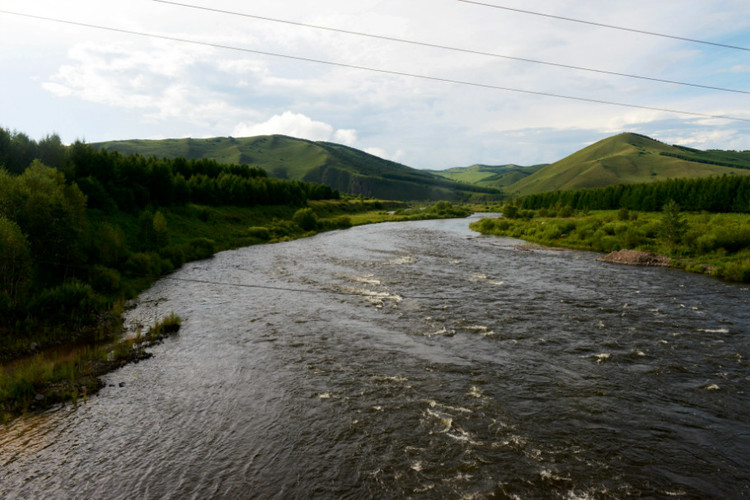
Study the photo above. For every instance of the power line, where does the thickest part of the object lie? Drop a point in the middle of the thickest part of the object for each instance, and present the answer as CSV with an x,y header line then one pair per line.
x,y
370,294
455,49
375,70
633,30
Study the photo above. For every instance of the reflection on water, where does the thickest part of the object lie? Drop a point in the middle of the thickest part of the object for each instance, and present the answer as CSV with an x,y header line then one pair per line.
x,y
412,360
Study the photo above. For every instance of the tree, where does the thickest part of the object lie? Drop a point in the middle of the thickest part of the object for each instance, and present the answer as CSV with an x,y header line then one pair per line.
x,y
15,262
673,225
306,219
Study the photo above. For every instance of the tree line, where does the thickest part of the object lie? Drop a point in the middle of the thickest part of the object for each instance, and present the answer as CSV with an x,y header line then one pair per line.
x,y
725,194
77,223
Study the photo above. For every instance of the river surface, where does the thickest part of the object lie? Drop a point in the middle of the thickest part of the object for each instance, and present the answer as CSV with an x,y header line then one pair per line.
x,y
412,360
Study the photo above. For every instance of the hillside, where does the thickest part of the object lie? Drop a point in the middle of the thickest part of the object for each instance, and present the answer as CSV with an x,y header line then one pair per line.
x,y
347,169
629,159
493,176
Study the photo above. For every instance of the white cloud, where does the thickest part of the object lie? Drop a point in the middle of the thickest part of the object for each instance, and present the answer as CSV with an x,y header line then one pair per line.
x,y
348,137
169,89
288,123
296,125
382,153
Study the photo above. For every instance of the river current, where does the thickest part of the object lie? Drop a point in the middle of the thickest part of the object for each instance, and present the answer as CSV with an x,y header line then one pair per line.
x,y
412,360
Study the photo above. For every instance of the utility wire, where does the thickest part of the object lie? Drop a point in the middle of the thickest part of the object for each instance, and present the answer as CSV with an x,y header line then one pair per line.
x,y
372,294
375,70
455,49
643,32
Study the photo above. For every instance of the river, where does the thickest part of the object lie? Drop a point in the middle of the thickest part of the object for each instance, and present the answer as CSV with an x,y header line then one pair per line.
x,y
412,360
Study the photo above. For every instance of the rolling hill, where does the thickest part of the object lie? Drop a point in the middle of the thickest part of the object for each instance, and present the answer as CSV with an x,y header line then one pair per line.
x,y
629,159
347,169
494,176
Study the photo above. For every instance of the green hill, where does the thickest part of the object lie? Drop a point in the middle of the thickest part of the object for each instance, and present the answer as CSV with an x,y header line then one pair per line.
x,y
347,169
494,176
630,159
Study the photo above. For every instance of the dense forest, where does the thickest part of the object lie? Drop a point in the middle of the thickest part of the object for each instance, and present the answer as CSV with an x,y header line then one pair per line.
x,y
725,194
79,225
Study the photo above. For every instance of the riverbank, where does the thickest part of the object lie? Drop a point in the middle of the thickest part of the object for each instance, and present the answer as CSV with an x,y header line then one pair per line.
x,y
41,368
73,372
713,244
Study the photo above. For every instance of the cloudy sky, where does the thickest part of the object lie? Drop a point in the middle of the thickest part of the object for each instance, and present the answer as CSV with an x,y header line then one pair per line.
x,y
425,106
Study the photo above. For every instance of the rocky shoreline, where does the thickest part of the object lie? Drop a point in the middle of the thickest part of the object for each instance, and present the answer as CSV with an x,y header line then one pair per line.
x,y
636,258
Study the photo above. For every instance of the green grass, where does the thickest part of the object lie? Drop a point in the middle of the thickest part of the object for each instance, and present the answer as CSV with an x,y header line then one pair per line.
x,y
494,176
72,372
715,244
627,159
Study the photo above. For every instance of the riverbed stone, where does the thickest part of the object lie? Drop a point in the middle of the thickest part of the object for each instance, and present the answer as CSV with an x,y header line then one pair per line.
x,y
636,258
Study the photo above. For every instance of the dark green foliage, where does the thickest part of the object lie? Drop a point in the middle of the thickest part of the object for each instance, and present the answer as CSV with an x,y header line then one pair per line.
x,y
673,224
339,168
306,219
73,303
15,263
260,233
729,193
200,248
105,280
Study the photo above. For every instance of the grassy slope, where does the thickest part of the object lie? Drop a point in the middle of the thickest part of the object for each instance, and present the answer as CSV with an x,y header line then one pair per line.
x,y
346,169
495,176
627,159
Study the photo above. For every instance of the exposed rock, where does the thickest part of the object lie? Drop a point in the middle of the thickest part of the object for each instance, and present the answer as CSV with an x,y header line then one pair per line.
x,y
636,258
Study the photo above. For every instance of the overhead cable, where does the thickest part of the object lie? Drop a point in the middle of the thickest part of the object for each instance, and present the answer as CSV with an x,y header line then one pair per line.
x,y
375,70
447,47
622,28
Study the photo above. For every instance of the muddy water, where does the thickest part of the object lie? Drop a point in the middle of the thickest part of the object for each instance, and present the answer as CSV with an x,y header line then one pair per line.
x,y
412,360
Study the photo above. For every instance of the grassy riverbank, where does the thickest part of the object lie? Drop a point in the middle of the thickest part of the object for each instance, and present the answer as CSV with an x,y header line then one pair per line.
x,y
72,372
714,244
49,364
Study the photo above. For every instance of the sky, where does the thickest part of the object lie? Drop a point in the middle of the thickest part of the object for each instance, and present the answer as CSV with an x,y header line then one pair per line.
x,y
201,73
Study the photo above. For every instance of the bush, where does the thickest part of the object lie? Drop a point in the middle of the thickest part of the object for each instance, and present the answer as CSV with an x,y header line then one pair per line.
x,y
104,279
306,219
200,248
175,254
147,264
73,302
566,211
261,233
736,271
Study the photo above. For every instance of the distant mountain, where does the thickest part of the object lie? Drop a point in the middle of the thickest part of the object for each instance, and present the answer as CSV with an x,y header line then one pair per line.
x,y
347,169
629,159
494,176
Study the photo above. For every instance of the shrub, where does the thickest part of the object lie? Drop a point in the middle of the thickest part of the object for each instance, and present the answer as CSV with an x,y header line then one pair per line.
x,y
261,233
104,279
566,211
623,214
306,219
175,254
736,271
200,248
510,211
343,221
73,302
141,264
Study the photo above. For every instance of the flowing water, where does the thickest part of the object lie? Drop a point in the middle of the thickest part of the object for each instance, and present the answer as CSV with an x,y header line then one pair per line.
x,y
412,360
